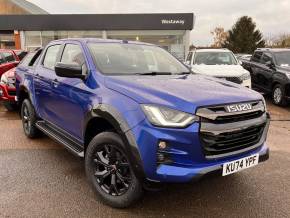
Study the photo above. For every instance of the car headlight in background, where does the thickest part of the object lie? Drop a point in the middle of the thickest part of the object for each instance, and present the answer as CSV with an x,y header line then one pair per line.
x,y
288,75
166,117
264,102
4,80
245,76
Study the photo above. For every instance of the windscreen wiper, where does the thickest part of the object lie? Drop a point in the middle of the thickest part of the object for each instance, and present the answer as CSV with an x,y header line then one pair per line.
x,y
184,73
154,73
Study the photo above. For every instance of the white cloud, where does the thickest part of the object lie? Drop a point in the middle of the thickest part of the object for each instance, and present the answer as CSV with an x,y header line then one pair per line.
x,y
272,17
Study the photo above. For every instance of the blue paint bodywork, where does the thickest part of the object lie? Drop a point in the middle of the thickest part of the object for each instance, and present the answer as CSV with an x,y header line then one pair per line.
x,y
67,105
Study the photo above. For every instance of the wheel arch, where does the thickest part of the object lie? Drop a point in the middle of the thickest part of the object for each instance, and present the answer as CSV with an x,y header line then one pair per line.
x,y
104,117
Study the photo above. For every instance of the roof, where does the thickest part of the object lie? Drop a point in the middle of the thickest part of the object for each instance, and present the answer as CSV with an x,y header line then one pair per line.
x,y
29,7
273,49
213,50
100,40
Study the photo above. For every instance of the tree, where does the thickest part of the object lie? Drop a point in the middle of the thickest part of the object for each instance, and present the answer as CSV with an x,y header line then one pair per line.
x,y
244,37
219,37
282,41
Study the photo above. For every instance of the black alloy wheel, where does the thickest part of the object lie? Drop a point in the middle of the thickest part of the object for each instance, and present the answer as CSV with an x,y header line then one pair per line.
x,y
112,170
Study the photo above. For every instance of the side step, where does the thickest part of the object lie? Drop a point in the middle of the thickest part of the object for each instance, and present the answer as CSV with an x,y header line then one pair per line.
x,y
60,137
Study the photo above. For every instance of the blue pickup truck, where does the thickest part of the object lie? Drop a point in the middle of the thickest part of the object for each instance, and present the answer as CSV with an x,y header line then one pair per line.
x,y
138,116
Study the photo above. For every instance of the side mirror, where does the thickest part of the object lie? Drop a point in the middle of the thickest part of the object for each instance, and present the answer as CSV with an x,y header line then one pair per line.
x,y
240,62
270,64
69,70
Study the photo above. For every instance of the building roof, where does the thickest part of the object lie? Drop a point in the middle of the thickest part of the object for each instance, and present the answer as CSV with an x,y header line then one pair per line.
x,y
29,7
37,22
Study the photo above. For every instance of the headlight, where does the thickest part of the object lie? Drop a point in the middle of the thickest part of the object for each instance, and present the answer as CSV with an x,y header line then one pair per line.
x,y
288,75
165,117
4,79
264,102
245,76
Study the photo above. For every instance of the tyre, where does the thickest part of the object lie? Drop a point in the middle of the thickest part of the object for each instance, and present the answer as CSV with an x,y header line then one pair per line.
x,y
278,95
29,119
110,173
10,106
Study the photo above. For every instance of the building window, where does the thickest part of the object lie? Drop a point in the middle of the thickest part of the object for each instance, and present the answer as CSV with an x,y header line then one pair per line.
x,y
170,40
32,40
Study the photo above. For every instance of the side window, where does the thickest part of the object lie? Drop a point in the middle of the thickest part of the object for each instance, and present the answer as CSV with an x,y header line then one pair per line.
x,y
266,58
73,54
9,56
27,59
257,56
50,56
2,60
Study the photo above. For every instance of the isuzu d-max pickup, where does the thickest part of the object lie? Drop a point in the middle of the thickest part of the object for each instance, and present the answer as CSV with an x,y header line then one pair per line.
x,y
139,116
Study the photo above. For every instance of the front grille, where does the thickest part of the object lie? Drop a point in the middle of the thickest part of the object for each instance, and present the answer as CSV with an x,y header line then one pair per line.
x,y
224,133
11,93
231,141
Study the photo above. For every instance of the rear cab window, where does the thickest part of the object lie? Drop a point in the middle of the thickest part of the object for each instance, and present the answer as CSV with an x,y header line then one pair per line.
x,y
31,58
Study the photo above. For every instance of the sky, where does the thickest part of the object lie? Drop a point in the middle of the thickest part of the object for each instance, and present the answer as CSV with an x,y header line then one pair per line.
x,y
271,16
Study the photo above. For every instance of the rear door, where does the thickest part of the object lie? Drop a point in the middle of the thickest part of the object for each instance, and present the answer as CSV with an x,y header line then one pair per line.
x,y
43,83
266,72
255,67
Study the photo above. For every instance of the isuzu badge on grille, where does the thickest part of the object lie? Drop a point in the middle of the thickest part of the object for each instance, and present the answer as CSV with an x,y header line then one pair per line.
x,y
238,107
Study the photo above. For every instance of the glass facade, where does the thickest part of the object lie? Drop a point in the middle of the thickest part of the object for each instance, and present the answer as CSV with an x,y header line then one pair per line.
x,y
7,39
171,40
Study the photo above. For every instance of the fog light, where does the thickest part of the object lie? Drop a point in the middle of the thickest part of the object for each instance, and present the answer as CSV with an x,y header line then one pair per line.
x,y
162,145
160,158
1,92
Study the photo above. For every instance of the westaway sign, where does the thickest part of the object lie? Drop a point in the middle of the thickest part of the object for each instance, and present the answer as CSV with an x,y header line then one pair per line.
x,y
173,21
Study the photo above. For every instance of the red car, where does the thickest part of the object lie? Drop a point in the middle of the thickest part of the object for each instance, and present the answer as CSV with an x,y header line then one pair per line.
x,y
7,82
8,90
8,60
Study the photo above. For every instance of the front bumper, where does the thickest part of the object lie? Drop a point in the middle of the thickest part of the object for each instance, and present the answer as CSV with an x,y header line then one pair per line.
x,y
186,152
5,93
184,174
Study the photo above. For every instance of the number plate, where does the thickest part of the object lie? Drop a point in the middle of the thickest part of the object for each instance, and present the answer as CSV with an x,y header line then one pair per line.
x,y
240,164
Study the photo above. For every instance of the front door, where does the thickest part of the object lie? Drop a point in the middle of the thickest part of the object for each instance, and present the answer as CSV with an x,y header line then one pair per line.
x,y
71,95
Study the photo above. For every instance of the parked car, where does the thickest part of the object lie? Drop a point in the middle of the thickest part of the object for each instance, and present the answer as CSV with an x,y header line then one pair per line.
x,y
9,59
134,126
270,71
7,83
220,63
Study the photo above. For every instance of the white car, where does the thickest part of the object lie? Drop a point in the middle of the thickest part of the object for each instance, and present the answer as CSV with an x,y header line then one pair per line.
x,y
220,63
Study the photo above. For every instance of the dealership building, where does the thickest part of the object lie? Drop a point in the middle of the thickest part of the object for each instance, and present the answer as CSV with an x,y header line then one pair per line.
x,y
37,28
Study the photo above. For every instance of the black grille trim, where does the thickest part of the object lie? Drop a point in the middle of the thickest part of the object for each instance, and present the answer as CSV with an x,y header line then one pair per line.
x,y
223,134
231,141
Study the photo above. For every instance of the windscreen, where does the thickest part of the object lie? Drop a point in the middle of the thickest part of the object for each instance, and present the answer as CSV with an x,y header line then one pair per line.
x,y
215,58
126,58
283,58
